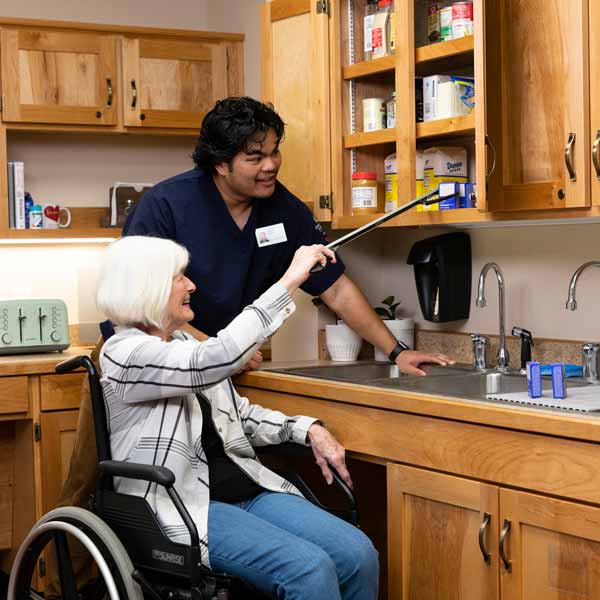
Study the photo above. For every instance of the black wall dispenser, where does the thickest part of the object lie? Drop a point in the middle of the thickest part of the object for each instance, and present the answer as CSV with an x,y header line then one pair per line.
x,y
442,267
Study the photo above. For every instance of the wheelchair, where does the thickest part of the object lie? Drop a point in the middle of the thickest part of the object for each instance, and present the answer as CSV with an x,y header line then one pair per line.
x,y
134,558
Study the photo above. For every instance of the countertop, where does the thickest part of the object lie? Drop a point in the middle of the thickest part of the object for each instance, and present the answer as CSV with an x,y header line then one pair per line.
x,y
584,426
36,364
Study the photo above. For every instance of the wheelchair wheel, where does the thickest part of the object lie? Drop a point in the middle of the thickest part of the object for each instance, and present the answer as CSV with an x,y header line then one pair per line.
x,y
98,539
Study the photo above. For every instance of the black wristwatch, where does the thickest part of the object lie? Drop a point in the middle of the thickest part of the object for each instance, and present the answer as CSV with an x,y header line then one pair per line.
x,y
399,347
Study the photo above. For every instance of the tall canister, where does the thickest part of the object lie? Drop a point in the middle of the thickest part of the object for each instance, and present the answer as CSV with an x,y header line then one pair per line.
x,y
391,182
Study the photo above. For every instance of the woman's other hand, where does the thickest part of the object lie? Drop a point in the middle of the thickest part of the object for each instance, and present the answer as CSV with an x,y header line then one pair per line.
x,y
328,451
305,258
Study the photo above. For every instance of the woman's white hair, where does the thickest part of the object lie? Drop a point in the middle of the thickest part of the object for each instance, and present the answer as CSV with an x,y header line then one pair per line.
x,y
136,280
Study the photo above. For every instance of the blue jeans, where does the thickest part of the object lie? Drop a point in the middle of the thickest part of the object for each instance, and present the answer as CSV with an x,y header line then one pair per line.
x,y
288,548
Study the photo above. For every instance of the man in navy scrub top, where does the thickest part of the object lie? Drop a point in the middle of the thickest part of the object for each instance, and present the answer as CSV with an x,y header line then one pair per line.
x,y
242,227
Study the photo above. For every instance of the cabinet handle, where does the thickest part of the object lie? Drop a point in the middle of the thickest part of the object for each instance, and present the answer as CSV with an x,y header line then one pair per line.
x,y
133,95
484,525
503,534
488,142
595,148
569,157
109,97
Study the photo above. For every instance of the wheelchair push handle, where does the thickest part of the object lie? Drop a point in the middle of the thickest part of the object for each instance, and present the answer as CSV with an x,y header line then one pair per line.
x,y
77,362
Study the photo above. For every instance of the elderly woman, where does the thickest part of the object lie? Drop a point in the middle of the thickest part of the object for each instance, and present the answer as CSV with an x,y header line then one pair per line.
x,y
170,402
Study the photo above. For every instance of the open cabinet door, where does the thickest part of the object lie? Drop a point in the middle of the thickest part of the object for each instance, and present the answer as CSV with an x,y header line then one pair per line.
x,y
537,103
295,78
595,99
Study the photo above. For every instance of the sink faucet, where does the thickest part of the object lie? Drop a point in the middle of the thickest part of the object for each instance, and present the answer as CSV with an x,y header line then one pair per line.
x,y
590,353
502,357
571,302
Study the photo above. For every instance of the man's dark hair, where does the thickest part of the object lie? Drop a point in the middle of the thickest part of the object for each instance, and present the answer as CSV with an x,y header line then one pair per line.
x,y
230,127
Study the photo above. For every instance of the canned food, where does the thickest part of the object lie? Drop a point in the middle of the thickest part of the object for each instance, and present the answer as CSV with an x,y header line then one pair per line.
x,y
462,28
374,114
446,24
462,10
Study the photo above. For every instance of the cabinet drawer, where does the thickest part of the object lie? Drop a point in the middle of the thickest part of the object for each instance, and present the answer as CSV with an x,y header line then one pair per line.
x,y
60,392
13,395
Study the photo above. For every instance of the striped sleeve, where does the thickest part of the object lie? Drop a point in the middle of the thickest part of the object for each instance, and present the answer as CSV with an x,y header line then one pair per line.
x,y
141,367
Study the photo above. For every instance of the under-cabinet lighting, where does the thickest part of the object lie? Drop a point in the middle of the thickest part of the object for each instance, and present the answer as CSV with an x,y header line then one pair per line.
x,y
54,241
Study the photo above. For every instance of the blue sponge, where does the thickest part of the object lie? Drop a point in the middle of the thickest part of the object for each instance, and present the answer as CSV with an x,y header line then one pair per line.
x,y
570,370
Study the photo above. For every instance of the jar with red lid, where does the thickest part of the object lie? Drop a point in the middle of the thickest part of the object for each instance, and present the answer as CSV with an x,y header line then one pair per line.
x,y
365,193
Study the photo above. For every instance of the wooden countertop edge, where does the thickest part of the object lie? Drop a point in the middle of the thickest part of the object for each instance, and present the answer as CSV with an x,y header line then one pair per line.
x,y
37,364
532,421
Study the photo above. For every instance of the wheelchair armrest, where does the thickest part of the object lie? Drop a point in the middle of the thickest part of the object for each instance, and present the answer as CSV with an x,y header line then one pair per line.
x,y
156,474
291,449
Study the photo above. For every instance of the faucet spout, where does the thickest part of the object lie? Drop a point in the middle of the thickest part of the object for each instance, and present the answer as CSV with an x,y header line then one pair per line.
x,y
571,303
502,358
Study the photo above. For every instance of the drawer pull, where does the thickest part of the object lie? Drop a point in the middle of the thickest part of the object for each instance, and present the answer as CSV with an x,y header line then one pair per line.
x,y
569,157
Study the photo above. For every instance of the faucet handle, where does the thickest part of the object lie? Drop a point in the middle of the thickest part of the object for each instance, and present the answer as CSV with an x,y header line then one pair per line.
x,y
481,346
590,361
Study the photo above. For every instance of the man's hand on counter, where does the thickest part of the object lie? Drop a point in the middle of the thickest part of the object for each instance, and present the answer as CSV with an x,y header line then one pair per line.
x,y
328,451
410,360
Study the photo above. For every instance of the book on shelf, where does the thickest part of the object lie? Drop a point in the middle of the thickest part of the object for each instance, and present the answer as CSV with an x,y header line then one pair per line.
x,y
16,194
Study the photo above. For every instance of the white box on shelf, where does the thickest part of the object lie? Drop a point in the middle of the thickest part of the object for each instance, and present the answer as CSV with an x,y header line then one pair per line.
x,y
19,193
430,95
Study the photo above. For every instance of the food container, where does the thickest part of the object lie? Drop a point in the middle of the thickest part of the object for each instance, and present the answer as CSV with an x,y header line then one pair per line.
x,y
391,112
365,193
446,24
391,182
374,114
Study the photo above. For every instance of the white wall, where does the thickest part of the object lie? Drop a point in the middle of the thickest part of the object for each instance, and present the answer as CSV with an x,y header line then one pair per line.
x,y
78,170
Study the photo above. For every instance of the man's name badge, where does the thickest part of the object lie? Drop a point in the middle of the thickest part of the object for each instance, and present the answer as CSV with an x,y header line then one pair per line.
x,y
271,234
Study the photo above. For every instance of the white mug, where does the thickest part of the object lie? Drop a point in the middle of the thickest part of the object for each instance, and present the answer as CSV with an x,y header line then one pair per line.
x,y
51,216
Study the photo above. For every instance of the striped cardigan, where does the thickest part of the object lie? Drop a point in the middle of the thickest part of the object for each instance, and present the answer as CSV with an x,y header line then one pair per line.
x,y
154,416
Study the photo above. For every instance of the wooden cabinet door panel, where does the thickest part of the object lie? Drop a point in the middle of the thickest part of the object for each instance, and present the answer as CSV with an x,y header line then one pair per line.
x,y
57,442
61,392
433,536
296,79
594,142
172,83
537,55
553,546
13,395
58,77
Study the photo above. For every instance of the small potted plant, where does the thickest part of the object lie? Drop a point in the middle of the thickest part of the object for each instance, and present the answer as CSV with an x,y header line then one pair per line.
x,y
402,328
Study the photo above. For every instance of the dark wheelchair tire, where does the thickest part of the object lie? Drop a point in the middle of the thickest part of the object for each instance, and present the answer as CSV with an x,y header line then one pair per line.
x,y
72,520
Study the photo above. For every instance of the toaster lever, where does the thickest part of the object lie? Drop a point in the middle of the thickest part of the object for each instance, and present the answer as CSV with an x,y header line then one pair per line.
x,y
41,318
22,317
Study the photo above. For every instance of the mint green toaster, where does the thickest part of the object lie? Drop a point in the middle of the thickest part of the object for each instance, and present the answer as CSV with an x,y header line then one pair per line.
x,y
28,326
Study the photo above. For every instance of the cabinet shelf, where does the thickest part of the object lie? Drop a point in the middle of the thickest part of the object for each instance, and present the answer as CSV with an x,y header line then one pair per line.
x,y
443,50
463,125
67,232
369,67
414,218
370,138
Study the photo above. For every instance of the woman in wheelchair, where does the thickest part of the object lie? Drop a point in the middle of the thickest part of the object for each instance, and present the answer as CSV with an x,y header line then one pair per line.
x,y
170,402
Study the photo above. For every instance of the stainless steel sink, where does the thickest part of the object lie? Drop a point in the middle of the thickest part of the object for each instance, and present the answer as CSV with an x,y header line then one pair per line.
x,y
459,380
368,372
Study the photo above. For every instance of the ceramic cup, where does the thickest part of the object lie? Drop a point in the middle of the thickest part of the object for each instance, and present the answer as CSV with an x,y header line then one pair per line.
x,y
51,216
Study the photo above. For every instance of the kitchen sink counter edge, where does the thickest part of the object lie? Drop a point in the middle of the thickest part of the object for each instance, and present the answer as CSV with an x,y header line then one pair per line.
x,y
580,426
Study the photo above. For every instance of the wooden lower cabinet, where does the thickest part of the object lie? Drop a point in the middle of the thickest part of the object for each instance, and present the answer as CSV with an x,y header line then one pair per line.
x,y
434,551
553,547
539,548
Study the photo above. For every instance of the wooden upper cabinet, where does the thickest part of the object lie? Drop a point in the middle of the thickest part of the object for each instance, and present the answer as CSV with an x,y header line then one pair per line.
x,y
439,528
553,547
594,142
537,103
58,77
296,79
172,83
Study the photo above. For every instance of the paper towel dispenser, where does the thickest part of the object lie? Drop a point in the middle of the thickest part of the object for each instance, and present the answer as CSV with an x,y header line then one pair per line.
x,y
442,266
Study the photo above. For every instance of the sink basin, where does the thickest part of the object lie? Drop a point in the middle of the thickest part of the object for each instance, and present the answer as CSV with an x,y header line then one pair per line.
x,y
459,380
368,372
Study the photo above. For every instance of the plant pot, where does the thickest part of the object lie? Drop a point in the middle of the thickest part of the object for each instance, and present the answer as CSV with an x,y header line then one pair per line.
x,y
403,330
343,343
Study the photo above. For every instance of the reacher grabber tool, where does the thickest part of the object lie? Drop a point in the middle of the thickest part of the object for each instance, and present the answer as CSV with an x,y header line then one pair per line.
x,y
427,199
